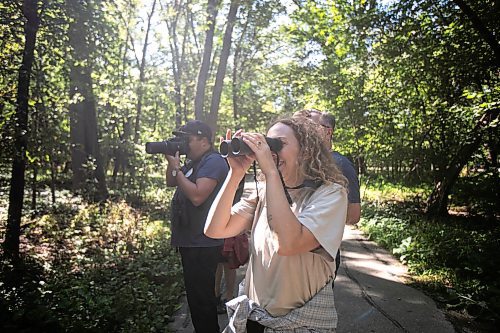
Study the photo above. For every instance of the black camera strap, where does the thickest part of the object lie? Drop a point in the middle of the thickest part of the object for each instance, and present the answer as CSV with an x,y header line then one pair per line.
x,y
190,164
254,167
314,184
307,183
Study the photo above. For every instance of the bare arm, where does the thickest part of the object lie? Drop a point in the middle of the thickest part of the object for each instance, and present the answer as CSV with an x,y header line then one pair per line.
x,y
171,180
293,237
353,213
197,192
173,164
220,223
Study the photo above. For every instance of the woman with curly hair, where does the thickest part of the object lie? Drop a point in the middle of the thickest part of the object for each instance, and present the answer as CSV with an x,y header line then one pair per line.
x,y
297,220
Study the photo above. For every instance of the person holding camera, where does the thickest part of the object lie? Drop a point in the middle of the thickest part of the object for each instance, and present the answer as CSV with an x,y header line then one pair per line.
x,y
198,183
297,221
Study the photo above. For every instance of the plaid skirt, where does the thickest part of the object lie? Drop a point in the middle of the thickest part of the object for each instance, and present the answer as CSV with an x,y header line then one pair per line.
x,y
316,315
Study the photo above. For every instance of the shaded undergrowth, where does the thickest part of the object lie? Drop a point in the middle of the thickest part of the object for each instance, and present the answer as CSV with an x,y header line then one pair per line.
x,y
104,267
454,258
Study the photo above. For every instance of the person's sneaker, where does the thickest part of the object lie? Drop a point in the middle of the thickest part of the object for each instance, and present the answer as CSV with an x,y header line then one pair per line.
x,y
221,306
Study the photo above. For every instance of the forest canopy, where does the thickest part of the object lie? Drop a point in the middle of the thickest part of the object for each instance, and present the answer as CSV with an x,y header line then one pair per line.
x,y
414,86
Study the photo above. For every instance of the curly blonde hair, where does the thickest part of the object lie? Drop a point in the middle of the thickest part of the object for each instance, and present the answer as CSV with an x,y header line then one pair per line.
x,y
316,162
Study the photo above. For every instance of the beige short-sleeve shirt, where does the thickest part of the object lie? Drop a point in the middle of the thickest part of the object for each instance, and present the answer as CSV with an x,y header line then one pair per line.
x,y
280,284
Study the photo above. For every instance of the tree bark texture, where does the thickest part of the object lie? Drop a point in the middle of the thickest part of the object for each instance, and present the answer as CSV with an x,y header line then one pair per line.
x,y
142,76
221,69
17,180
437,204
205,64
177,60
236,74
82,109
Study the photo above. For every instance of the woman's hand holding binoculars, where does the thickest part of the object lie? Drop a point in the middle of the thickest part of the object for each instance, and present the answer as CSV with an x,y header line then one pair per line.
x,y
243,148
239,163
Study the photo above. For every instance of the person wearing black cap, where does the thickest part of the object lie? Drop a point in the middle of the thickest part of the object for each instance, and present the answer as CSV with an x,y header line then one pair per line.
x,y
198,183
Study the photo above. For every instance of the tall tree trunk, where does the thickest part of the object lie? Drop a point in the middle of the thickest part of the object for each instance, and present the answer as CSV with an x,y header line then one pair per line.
x,y
493,146
221,70
52,178
177,59
121,151
235,84
205,64
235,73
82,110
17,180
34,189
155,115
437,204
34,164
142,76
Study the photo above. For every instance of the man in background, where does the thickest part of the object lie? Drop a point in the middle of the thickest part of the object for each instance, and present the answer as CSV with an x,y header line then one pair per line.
x,y
198,183
327,124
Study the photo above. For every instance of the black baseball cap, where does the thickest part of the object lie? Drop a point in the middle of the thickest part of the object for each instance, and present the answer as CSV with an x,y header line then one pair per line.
x,y
195,127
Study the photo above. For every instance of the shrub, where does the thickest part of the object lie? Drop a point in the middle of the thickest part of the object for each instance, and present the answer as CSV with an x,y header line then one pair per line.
x,y
457,257
98,268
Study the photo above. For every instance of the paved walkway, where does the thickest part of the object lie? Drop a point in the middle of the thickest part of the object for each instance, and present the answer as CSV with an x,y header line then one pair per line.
x,y
370,294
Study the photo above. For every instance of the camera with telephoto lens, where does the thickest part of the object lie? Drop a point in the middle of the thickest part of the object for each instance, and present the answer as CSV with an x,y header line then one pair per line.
x,y
236,147
169,146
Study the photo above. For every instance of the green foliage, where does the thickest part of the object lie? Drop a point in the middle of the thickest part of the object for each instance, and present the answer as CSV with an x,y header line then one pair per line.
x,y
102,268
408,84
485,203
11,28
455,257
377,189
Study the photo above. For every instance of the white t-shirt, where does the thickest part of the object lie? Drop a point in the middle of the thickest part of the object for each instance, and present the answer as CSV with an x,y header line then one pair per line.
x,y
280,284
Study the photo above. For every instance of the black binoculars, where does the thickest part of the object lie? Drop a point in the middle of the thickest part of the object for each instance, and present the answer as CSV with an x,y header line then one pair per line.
x,y
169,146
236,147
